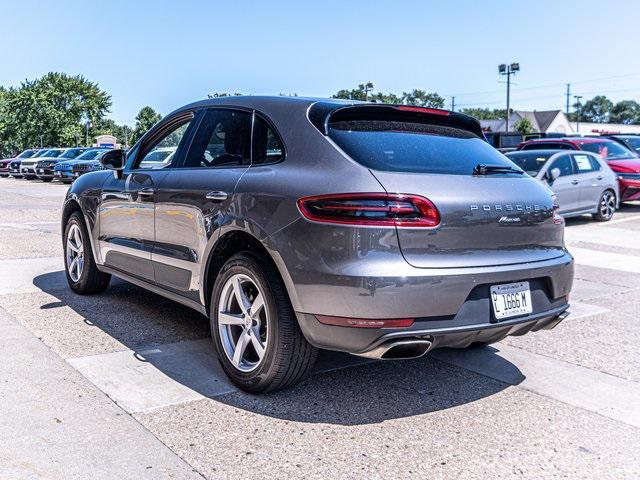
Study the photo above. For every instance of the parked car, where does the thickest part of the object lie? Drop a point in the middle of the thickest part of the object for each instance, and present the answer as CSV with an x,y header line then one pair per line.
x,y
45,166
582,181
88,166
63,171
28,165
297,224
620,159
632,142
6,163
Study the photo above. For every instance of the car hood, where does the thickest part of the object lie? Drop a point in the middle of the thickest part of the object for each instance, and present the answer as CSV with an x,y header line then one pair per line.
x,y
12,159
625,166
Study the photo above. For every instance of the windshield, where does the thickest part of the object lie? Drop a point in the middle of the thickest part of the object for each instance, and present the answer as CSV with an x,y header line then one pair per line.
x,y
40,153
530,162
90,154
52,153
72,152
633,143
27,154
608,150
414,147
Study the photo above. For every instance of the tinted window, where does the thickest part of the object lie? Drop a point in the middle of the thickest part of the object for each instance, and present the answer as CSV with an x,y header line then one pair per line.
x,y
584,164
27,154
73,152
608,150
222,140
564,164
267,147
633,143
160,153
53,153
530,162
547,145
413,147
89,154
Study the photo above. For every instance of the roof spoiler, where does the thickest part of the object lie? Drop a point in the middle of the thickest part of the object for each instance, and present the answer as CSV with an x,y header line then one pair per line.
x,y
321,114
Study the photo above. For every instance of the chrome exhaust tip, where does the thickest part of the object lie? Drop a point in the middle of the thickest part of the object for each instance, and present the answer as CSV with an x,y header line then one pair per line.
x,y
399,349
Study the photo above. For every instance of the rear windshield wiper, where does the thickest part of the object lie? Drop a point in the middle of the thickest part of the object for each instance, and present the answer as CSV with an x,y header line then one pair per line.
x,y
482,169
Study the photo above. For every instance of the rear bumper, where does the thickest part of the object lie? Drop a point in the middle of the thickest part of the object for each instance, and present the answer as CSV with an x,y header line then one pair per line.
x,y
451,307
369,342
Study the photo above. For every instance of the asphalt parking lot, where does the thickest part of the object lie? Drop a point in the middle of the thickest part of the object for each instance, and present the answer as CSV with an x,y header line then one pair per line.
x,y
125,385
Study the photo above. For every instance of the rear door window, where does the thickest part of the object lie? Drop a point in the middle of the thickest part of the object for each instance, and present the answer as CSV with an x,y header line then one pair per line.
x,y
583,163
399,146
223,139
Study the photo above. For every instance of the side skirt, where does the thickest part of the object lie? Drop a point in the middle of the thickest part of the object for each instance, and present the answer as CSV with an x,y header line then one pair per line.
x,y
155,289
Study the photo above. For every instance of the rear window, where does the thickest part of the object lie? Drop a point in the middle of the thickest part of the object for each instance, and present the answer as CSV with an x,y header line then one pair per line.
x,y
413,147
530,162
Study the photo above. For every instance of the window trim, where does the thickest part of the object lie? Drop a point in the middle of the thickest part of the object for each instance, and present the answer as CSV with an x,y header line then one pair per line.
x,y
156,136
275,131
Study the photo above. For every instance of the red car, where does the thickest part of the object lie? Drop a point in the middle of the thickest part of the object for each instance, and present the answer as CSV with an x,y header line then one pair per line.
x,y
624,162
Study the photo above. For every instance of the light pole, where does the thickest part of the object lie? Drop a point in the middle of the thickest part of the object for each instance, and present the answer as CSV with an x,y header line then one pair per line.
x,y
367,88
508,70
88,125
578,112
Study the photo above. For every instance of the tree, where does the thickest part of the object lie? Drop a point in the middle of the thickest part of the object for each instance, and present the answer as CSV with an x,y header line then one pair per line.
x,y
595,110
51,110
147,117
523,126
625,111
415,97
485,113
106,126
421,98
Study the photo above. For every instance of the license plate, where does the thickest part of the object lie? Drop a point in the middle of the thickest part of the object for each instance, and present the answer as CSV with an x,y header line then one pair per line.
x,y
58,174
40,170
76,174
511,300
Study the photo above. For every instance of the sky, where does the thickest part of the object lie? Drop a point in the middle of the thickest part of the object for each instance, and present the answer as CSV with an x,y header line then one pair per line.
x,y
168,53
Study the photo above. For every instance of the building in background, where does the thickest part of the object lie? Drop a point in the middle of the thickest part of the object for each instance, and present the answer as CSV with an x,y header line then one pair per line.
x,y
107,141
555,121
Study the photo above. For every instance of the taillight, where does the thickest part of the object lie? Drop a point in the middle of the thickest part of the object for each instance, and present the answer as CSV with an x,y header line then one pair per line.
x,y
371,209
365,322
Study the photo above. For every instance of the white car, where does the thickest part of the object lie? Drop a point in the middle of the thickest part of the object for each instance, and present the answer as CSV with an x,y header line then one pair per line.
x,y
582,181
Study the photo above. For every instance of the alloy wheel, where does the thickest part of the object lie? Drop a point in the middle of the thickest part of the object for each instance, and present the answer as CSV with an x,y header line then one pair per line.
x,y
75,253
243,322
607,205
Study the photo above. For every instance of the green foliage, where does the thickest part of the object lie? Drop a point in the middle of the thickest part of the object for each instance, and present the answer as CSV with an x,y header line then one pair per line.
x,y
485,113
51,110
595,110
146,118
417,97
625,111
523,126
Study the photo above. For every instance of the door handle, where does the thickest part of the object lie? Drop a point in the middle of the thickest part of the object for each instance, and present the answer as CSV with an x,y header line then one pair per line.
x,y
217,196
574,182
146,192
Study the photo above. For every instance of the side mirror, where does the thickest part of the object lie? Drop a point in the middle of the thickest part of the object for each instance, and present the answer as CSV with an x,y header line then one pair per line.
x,y
114,160
553,174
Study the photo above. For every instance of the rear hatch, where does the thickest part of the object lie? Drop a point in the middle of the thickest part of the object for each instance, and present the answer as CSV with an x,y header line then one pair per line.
x,y
491,212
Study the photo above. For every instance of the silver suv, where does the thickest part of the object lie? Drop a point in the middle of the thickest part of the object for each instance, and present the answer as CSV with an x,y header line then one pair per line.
x,y
298,224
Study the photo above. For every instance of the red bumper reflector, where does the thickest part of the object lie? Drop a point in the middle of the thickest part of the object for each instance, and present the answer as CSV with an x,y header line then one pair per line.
x,y
365,322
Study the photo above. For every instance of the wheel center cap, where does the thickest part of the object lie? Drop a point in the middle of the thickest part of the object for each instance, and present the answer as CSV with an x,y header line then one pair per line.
x,y
247,322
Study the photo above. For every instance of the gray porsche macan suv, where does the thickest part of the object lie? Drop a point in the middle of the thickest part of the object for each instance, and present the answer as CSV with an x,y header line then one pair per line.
x,y
296,224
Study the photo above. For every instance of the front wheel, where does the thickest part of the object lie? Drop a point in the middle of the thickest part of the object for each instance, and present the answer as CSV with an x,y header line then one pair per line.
x,y
82,273
254,328
606,207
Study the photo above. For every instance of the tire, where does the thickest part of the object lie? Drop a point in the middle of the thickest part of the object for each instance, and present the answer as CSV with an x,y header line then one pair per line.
x,y
84,278
606,207
287,357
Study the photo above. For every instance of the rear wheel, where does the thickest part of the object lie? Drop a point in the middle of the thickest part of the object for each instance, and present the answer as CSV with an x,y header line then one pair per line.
x,y
82,273
606,207
253,326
